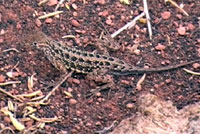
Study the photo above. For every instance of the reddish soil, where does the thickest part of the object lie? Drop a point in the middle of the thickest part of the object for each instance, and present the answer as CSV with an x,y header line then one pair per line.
x,y
86,115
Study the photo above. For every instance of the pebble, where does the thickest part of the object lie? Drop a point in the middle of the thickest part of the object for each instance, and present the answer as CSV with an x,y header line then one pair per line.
x,y
191,26
38,22
160,47
166,15
1,40
18,26
75,14
52,2
109,22
2,78
129,105
7,119
75,23
181,30
179,16
72,101
168,81
125,82
74,6
104,13
76,81
196,65
48,20
101,2
29,123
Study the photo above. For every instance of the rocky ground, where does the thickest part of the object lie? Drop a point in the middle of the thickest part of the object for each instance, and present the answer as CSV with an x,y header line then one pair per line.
x,y
175,39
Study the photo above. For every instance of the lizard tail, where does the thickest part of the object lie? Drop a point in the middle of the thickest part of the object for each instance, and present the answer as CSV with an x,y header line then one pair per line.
x,y
138,70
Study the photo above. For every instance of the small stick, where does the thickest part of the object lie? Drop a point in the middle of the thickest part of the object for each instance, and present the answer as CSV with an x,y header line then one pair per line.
x,y
148,18
10,49
50,15
42,2
128,25
176,5
9,83
191,72
58,5
10,95
67,75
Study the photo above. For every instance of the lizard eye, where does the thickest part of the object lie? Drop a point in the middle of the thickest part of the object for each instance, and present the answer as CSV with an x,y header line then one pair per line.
x,y
34,43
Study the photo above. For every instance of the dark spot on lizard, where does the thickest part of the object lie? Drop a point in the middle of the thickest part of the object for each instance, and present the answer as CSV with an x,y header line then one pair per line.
x,y
79,53
84,54
73,58
67,56
101,63
111,59
80,60
91,55
115,66
97,56
88,61
96,62
79,67
104,57
107,63
72,65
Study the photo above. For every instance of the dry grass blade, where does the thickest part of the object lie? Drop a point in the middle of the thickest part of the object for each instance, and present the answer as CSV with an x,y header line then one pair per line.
x,y
10,95
191,72
9,83
50,15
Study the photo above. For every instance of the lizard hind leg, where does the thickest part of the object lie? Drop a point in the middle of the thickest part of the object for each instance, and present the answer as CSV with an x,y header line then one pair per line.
x,y
100,76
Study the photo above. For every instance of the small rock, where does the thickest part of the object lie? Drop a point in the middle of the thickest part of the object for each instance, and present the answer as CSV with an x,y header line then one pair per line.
x,y
74,6
179,16
109,22
129,105
75,14
48,20
165,15
98,94
18,26
125,82
29,123
38,22
76,81
1,40
104,13
196,65
75,23
12,74
101,2
70,89
2,78
52,2
181,30
98,123
168,81
72,101
160,47
191,26
7,119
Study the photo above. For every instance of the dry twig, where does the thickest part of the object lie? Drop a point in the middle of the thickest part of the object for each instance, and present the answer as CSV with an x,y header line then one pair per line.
x,y
148,18
128,25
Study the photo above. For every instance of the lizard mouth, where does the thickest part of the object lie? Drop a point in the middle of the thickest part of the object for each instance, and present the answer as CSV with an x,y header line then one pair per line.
x,y
40,45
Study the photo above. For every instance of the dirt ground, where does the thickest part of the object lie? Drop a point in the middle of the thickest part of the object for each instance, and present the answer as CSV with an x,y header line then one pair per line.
x,y
176,39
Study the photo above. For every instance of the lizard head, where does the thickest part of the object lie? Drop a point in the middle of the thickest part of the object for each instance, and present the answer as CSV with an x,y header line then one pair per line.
x,y
37,39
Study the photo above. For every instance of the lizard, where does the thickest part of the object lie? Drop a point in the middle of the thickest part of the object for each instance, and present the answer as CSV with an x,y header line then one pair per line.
x,y
96,66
